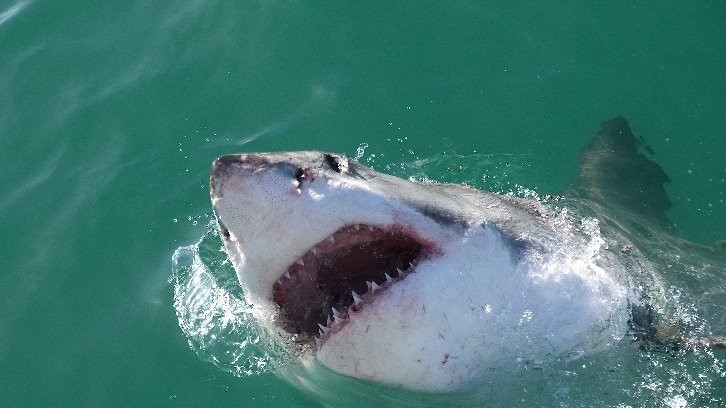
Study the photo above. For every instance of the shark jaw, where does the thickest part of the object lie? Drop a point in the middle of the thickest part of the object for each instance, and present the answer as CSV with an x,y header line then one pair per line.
x,y
342,274
416,286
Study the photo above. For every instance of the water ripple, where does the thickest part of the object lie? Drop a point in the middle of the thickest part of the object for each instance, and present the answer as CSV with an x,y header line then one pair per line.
x,y
13,11
33,182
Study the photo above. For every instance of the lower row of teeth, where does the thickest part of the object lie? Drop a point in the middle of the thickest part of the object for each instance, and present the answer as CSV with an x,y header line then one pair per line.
x,y
357,301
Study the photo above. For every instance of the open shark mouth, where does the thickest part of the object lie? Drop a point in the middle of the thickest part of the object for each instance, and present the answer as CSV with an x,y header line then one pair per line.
x,y
342,273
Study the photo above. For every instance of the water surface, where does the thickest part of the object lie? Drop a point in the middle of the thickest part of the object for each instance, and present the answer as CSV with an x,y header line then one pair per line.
x,y
112,113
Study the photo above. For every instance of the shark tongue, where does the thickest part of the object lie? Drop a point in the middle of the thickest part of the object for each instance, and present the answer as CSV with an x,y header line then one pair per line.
x,y
356,258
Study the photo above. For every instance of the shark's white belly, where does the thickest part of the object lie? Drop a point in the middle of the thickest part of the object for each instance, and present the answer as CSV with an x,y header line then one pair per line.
x,y
444,326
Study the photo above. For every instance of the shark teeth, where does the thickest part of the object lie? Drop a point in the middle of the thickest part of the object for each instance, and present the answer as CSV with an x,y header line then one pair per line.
x,y
356,298
323,330
335,319
372,286
342,275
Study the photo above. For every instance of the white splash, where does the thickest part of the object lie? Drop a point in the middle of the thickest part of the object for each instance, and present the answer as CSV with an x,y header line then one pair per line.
x,y
215,320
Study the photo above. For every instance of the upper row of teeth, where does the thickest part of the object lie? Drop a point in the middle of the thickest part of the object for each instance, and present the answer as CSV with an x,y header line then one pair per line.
x,y
314,250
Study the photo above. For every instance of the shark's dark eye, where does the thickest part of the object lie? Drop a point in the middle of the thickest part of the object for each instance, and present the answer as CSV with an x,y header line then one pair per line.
x,y
333,162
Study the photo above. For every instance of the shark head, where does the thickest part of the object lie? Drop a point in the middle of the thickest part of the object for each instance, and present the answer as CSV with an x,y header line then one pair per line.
x,y
413,285
306,230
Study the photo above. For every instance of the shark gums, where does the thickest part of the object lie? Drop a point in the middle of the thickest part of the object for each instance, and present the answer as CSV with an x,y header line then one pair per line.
x,y
423,286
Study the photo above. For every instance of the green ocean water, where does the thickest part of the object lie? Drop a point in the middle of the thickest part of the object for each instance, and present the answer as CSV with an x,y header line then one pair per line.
x,y
111,114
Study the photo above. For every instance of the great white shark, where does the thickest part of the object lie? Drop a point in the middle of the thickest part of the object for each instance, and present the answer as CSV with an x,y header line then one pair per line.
x,y
424,286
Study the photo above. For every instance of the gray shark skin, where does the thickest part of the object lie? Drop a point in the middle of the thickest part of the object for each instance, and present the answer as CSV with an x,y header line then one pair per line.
x,y
423,286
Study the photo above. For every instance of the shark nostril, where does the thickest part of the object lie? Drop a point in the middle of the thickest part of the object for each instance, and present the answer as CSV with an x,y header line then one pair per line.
x,y
303,175
299,175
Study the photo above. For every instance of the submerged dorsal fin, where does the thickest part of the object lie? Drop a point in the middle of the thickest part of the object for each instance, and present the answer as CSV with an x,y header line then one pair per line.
x,y
613,171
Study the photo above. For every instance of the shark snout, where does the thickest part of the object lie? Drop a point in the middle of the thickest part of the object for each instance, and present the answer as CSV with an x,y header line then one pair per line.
x,y
251,193
225,167
220,170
